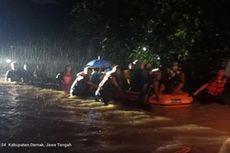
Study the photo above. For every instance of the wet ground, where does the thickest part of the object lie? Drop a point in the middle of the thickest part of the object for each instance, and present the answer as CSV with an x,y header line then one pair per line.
x,y
48,121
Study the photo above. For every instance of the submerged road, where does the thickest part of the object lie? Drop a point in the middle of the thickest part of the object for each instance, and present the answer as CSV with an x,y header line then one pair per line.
x,y
36,120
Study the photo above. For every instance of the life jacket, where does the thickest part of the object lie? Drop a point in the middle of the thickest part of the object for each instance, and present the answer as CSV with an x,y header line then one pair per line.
x,y
67,79
217,86
66,82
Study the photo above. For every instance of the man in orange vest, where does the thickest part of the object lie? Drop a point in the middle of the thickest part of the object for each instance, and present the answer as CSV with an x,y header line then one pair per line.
x,y
213,90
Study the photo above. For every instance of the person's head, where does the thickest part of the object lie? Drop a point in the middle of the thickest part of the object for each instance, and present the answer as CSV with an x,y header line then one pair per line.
x,y
118,71
14,65
148,67
88,70
68,68
96,69
221,73
142,66
175,66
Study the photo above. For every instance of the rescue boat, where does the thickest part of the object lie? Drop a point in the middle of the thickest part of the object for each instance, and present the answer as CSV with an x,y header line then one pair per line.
x,y
172,100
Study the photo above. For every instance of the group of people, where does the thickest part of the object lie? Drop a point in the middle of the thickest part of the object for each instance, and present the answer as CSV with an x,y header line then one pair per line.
x,y
137,80
22,74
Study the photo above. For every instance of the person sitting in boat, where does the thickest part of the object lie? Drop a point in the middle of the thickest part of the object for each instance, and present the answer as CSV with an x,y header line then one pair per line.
x,y
171,81
66,78
212,91
83,86
14,75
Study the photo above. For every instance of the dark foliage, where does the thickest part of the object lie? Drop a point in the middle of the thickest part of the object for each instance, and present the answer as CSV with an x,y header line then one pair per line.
x,y
196,33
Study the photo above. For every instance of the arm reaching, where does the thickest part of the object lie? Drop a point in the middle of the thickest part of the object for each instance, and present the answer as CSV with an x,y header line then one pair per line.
x,y
200,89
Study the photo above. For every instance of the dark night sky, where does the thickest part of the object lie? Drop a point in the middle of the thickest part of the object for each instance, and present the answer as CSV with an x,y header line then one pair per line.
x,y
23,19
20,19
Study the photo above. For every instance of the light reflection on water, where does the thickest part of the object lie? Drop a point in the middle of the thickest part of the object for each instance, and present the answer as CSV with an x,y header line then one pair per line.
x,y
30,114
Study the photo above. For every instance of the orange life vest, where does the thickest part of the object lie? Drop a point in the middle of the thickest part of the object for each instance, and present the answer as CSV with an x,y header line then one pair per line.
x,y
68,79
217,86
67,82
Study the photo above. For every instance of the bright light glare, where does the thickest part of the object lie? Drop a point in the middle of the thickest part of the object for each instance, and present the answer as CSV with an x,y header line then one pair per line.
x,y
155,70
144,48
134,62
8,60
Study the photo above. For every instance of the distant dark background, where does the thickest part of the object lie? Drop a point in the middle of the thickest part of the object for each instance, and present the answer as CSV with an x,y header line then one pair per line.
x,y
33,18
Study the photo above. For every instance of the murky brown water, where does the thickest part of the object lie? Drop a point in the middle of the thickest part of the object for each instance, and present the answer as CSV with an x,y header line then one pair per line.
x,y
32,115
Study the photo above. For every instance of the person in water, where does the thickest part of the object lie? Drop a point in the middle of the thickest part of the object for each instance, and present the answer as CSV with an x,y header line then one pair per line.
x,y
97,76
140,78
66,79
140,82
119,82
103,92
83,86
38,74
212,91
14,74
27,75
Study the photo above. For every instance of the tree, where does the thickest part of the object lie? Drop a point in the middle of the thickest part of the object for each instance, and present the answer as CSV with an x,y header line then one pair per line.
x,y
168,28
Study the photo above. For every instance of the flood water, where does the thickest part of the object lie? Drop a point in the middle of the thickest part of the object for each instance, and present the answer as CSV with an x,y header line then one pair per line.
x,y
43,116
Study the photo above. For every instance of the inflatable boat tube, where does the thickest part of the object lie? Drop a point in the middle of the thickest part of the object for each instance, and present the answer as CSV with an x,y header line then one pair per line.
x,y
177,100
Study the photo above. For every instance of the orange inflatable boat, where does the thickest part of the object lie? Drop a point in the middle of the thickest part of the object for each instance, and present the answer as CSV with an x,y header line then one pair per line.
x,y
172,100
